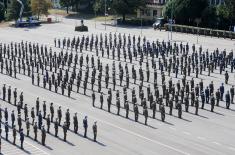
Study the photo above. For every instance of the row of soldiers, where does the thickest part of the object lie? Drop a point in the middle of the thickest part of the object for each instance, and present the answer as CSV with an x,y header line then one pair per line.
x,y
39,125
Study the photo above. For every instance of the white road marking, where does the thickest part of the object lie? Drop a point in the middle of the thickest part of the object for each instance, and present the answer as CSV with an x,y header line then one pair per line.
x,y
186,133
201,138
231,148
172,128
216,143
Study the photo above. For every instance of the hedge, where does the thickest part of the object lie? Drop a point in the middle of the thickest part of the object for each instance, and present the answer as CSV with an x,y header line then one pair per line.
x,y
81,28
200,31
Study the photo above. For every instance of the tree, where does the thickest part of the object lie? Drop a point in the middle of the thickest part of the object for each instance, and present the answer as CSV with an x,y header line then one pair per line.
x,y
40,7
66,3
2,11
185,11
13,10
124,7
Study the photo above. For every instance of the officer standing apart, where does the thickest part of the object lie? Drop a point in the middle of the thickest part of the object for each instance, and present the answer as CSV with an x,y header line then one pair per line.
x,y
85,125
94,127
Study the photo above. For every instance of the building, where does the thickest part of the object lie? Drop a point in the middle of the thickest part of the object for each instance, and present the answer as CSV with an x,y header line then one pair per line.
x,y
153,10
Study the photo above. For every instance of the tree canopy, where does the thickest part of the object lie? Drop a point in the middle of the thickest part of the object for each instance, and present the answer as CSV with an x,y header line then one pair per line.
x,y
215,16
40,7
124,7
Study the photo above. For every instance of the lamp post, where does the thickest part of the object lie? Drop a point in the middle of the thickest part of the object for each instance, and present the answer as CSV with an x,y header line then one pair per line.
x,y
105,7
171,18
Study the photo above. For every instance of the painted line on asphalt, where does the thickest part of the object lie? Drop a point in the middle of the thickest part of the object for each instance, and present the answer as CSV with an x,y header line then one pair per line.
x,y
201,138
186,133
231,148
216,143
172,128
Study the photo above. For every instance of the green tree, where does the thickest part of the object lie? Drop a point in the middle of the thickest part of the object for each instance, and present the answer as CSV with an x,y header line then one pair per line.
x,y
124,7
40,7
209,17
66,3
185,11
13,10
2,11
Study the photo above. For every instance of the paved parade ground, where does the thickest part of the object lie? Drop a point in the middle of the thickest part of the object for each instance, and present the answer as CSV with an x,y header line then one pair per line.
x,y
206,133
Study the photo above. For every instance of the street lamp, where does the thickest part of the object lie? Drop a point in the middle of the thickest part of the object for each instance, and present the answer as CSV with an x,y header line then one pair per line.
x,y
171,18
105,11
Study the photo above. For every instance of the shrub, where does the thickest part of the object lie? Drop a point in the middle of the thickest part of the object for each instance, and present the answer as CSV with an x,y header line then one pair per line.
x,y
81,28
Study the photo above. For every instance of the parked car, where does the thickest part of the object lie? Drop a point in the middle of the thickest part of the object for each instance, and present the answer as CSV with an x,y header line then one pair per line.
x,y
159,23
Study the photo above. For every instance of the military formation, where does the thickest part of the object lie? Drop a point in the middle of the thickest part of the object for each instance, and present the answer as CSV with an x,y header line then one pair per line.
x,y
36,120
120,73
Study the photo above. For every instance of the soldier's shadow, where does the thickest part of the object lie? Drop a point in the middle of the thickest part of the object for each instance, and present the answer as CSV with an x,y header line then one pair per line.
x,y
46,146
101,144
17,146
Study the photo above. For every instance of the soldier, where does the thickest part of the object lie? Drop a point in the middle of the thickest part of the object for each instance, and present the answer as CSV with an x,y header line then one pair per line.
x,y
6,114
145,113
15,96
65,129
232,94
101,100
202,99
207,94
37,105
59,114
21,99
4,92
227,98
93,98
56,126
25,112
154,108
21,139
12,118
109,99
217,95
118,105
32,115
179,107
126,106
85,125
212,99
44,108
6,130
226,77
136,111
196,105
75,123
94,127
162,109
39,119
19,120
221,92
28,126
9,94
170,105
67,118
48,123
52,112
43,135
14,134
35,130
